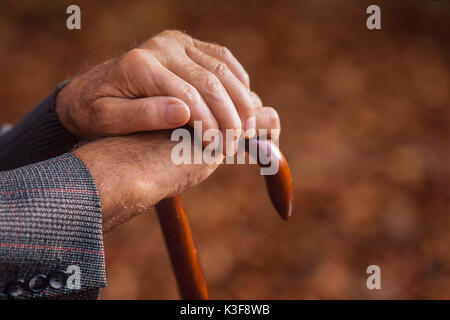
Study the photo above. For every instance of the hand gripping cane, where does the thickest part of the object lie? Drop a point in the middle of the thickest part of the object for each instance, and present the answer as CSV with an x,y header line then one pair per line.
x,y
177,232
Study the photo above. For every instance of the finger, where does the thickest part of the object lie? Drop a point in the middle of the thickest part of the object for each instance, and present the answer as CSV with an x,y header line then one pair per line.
x,y
267,118
115,116
155,79
225,55
239,94
215,96
256,101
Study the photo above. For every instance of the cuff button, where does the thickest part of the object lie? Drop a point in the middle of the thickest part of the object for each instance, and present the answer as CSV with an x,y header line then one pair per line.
x,y
38,283
57,280
15,289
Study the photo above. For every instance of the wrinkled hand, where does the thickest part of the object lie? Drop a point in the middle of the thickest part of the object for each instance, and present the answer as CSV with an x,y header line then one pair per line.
x,y
134,172
170,80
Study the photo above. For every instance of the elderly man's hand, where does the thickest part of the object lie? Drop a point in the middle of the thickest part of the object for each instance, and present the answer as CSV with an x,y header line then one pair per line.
x,y
134,172
170,80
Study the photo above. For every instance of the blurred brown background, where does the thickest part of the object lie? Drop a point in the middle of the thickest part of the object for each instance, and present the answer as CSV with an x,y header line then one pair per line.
x,y
365,119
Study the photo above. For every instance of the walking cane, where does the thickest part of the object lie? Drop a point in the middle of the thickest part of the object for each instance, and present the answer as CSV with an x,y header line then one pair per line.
x,y
177,232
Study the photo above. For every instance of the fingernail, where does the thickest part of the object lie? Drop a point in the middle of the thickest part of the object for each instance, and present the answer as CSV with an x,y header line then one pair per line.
x,y
175,113
250,125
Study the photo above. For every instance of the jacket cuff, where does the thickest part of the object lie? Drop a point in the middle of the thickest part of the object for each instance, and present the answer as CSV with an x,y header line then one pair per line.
x,y
39,136
50,220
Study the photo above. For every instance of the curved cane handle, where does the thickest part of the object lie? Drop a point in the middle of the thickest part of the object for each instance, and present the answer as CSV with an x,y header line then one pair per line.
x,y
279,185
178,236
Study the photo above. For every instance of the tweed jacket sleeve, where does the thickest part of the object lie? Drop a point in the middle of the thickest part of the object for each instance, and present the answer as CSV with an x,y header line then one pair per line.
x,y
51,244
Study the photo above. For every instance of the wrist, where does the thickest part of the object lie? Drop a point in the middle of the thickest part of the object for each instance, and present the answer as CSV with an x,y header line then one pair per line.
x,y
65,99
119,195
97,166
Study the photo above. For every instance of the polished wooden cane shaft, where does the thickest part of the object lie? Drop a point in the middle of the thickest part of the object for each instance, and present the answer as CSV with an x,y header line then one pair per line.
x,y
178,236
182,250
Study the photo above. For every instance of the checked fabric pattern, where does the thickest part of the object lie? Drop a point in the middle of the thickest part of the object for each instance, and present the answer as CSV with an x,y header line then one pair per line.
x,y
50,212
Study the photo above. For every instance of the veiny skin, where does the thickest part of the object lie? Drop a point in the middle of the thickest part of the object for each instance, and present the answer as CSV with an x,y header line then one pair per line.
x,y
168,81
134,172
202,81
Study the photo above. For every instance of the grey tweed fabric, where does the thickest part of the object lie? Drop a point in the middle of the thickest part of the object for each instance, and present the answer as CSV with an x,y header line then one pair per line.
x,y
50,212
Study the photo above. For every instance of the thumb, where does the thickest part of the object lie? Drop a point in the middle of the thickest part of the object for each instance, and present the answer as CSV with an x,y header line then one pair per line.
x,y
122,116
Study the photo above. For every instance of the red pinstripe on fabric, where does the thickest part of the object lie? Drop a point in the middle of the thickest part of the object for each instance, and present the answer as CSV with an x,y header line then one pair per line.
x,y
29,246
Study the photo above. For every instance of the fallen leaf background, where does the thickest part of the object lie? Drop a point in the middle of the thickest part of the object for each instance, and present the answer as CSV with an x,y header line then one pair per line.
x,y
365,127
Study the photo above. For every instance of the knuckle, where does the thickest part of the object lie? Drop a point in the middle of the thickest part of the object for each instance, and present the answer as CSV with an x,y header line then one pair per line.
x,y
211,84
221,69
191,93
156,42
146,116
131,57
223,51
145,111
166,34
135,53
162,40
173,34
207,83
